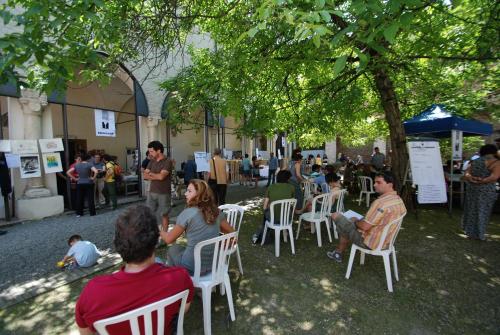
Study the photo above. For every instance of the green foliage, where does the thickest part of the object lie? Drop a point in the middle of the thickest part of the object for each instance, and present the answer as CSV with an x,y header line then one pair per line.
x,y
306,68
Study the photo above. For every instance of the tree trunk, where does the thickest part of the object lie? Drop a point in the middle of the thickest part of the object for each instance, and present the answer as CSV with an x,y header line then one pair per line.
x,y
390,105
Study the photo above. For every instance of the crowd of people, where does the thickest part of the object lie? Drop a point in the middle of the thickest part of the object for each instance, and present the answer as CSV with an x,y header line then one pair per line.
x,y
145,278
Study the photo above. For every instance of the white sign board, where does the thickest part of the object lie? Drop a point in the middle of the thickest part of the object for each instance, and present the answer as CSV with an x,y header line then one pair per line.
x,y
4,145
264,154
51,145
427,171
13,161
21,147
228,154
201,158
104,123
331,150
456,144
52,162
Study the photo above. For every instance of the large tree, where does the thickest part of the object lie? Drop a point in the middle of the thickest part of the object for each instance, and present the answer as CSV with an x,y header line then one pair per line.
x,y
319,68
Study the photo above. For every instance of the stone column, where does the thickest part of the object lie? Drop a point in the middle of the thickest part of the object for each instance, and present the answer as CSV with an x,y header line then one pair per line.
x,y
152,126
32,104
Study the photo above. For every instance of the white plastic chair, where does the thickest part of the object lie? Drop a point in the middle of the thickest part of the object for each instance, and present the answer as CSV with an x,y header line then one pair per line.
x,y
146,312
366,185
224,246
317,217
234,215
339,207
287,207
306,185
380,251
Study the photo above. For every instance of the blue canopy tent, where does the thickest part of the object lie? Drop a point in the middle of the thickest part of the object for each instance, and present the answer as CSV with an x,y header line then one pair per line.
x,y
438,122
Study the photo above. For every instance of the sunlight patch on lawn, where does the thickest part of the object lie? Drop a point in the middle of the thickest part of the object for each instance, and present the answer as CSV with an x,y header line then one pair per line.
x,y
307,325
257,310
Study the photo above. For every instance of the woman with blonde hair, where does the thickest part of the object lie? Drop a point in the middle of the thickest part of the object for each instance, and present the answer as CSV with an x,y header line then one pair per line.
x,y
201,220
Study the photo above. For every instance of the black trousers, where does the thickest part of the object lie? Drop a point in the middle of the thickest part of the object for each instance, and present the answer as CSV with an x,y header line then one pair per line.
x,y
85,191
219,193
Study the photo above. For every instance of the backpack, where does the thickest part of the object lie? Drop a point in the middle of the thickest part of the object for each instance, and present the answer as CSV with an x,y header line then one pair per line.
x,y
118,172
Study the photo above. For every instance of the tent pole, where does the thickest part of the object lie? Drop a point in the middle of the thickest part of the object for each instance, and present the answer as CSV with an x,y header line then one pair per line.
x,y
451,184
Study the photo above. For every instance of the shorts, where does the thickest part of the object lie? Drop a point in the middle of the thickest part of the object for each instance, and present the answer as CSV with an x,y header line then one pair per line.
x,y
247,173
347,228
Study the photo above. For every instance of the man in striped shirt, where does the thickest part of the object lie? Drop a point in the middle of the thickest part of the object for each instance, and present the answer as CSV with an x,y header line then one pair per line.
x,y
367,232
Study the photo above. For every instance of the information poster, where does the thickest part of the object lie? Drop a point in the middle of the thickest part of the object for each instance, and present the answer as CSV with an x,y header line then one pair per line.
x,y
5,146
51,145
201,158
427,171
13,160
52,162
104,123
30,166
456,144
22,147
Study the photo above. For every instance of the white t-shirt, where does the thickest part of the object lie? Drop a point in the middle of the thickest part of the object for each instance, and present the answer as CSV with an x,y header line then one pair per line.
x,y
85,253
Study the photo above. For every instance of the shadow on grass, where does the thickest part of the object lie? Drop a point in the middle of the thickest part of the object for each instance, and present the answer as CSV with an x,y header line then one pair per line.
x,y
448,285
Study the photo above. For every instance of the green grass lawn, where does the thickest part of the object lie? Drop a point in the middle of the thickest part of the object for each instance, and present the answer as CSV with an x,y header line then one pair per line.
x,y
448,285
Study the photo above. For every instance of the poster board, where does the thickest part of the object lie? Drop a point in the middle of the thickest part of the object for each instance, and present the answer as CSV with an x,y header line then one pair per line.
x,y
52,162
30,166
104,123
201,158
456,144
51,145
427,171
13,160
22,147
5,146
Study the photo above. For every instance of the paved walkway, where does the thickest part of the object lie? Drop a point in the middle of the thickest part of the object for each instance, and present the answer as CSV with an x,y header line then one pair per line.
x,y
29,251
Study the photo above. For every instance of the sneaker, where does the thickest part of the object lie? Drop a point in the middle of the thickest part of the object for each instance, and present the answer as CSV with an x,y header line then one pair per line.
x,y
255,238
78,216
337,257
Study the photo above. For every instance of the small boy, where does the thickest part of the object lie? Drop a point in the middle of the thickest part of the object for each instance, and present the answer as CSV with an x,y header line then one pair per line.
x,y
82,253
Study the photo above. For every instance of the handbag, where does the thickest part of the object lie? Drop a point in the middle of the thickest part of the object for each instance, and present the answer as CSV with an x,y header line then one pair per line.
x,y
210,180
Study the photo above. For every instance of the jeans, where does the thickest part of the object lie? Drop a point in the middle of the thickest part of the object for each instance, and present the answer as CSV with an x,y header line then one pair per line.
x,y
271,177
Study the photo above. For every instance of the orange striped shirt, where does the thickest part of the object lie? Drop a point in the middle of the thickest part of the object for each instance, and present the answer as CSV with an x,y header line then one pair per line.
x,y
384,209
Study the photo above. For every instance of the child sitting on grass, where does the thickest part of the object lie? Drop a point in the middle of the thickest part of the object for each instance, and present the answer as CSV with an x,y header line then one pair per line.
x,y
81,253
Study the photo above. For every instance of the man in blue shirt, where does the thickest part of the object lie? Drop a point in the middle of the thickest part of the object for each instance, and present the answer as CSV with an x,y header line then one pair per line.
x,y
246,170
273,166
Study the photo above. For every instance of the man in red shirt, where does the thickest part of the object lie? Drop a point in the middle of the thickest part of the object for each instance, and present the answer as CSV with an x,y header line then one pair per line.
x,y
140,282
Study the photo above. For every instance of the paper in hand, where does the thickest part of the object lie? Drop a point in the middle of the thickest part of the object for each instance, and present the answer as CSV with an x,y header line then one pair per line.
x,y
352,214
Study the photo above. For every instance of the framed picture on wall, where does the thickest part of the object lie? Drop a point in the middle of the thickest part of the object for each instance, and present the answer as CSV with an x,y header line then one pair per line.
x,y
30,166
52,162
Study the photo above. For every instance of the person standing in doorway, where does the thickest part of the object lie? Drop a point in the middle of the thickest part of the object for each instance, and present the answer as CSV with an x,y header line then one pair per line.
x,y
273,166
99,182
158,171
217,177
109,181
84,184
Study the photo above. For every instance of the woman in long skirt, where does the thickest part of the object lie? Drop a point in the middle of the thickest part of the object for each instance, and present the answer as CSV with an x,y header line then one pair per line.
x,y
481,195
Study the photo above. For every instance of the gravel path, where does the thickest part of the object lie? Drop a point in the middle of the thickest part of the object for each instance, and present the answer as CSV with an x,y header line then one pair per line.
x,y
30,250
